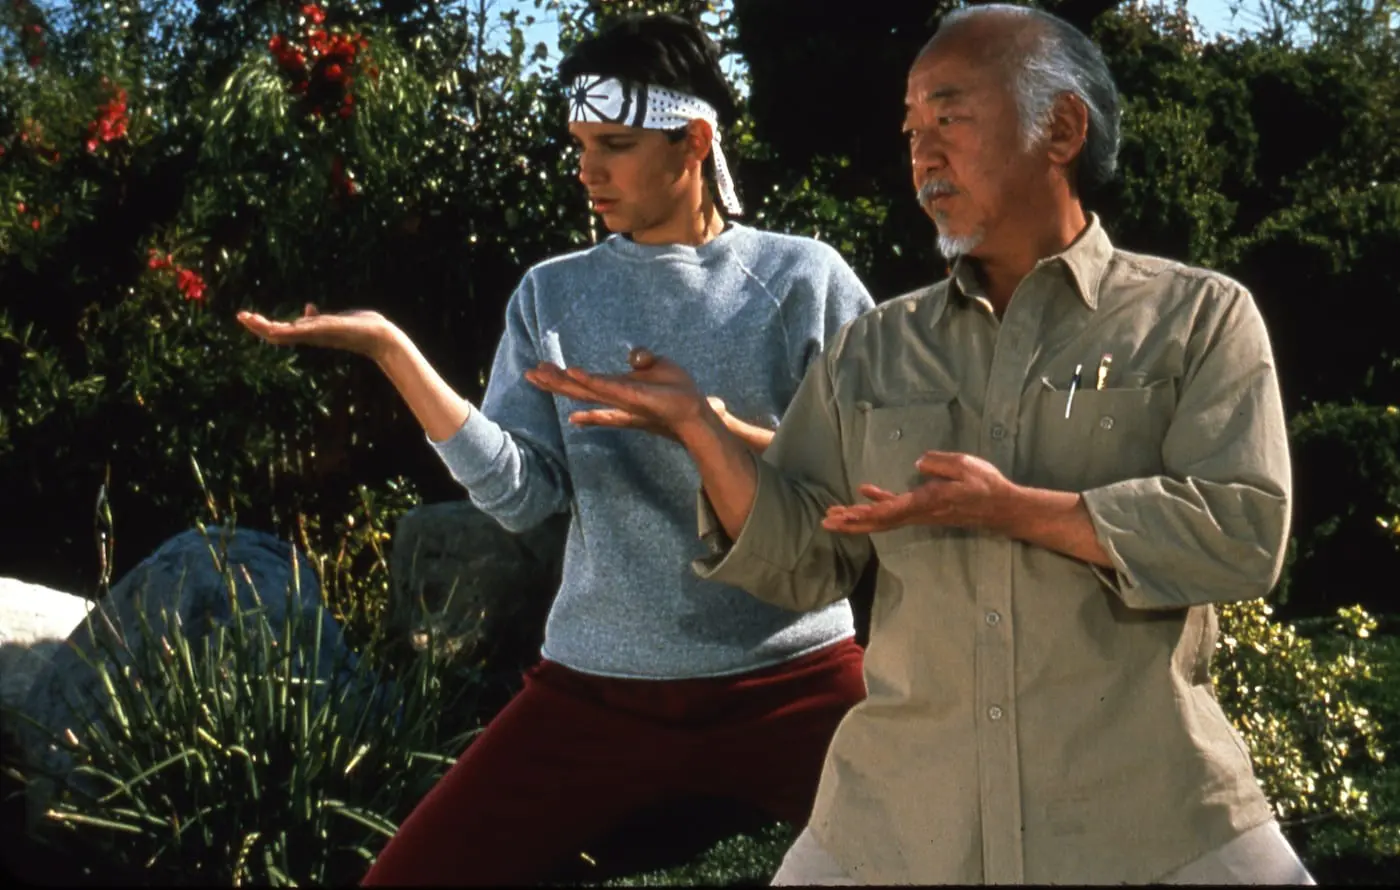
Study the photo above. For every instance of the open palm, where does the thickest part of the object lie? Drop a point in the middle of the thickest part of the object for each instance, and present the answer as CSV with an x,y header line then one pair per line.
x,y
360,331
657,394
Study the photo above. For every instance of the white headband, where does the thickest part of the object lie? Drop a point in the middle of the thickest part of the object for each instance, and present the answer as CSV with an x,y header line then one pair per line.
x,y
609,100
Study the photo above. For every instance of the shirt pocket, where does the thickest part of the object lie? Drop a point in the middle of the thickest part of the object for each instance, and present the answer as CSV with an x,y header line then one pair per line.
x,y
895,434
1108,436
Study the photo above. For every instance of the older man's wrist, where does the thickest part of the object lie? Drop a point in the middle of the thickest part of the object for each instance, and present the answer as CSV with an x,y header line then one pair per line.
x,y
701,429
1011,511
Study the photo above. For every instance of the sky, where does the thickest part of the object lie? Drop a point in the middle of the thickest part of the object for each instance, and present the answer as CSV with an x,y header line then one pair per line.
x,y
1214,16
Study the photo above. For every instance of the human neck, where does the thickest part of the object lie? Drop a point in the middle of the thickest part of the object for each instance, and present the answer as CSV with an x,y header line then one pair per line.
x,y
693,227
1005,264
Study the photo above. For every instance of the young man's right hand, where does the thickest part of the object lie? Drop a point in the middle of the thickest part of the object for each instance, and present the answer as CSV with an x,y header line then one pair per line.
x,y
360,331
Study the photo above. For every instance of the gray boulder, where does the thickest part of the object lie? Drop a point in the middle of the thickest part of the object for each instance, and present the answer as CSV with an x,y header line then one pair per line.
x,y
479,592
185,581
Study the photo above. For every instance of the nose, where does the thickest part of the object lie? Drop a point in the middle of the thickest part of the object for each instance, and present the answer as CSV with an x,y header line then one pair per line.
x,y
926,152
591,171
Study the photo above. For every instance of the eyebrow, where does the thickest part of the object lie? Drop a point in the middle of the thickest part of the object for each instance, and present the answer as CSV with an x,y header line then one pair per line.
x,y
940,94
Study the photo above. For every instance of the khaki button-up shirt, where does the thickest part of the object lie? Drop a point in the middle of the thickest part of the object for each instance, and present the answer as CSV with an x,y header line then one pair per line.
x,y
1033,718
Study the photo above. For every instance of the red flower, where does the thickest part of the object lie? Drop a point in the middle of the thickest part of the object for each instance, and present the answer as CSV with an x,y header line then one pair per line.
x,y
20,207
34,224
35,29
334,72
346,111
276,43
341,47
111,121
191,285
314,13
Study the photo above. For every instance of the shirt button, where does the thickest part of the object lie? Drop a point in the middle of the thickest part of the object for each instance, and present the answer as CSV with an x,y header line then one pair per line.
x,y
998,431
895,434
1106,422
993,618
994,712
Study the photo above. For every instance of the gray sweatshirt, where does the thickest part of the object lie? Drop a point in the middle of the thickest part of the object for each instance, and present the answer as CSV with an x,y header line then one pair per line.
x,y
744,314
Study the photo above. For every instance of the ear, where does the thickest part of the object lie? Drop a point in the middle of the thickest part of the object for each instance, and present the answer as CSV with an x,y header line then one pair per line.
x,y
698,134
1068,129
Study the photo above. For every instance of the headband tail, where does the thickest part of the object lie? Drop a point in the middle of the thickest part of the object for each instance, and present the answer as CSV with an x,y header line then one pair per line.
x,y
727,196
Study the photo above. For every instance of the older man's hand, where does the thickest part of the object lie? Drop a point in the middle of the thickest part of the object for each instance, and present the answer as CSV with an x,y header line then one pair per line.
x,y
965,492
657,395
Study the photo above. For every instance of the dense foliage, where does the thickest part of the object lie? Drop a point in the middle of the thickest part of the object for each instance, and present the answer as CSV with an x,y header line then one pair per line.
x,y
164,163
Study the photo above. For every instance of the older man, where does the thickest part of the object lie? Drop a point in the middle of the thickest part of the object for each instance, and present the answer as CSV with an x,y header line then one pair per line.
x,y
1066,454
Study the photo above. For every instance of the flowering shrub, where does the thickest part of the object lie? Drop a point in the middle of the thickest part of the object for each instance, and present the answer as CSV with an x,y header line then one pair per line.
x,y
111,121
191,286
335,58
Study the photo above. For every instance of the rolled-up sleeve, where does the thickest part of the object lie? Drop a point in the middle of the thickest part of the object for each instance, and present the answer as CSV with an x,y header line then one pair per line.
x,y
783,556
1213,527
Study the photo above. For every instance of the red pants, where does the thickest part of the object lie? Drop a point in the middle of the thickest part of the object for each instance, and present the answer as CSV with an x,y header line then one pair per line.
x,y
572,755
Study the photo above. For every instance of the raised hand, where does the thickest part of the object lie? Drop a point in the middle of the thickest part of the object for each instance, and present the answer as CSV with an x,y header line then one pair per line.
x,y
965,492
362,332
656,395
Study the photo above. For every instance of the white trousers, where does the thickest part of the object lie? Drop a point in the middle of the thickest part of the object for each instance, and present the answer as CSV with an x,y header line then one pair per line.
x,y
1261,855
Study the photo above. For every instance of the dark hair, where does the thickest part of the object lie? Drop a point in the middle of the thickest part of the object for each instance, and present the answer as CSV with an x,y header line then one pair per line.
x,y
665,50
1059,58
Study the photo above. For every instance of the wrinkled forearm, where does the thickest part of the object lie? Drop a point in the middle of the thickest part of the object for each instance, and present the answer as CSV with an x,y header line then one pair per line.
x,y
726,466
1055,520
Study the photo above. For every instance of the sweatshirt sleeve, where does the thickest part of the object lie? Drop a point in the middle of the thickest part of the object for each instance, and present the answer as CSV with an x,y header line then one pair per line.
x,y
509,454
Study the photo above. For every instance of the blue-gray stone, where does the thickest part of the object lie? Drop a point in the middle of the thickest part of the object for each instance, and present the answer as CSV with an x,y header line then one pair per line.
x,y
187,581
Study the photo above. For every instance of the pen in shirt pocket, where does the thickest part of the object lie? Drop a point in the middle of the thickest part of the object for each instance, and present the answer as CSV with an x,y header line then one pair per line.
x,y
1104,364
1073,385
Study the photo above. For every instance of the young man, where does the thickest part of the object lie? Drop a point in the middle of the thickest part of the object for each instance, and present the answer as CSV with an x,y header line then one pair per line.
x,y
1066,453
653,684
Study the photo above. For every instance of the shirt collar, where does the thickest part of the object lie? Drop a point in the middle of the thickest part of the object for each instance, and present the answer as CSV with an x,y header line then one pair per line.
x,y
1086,260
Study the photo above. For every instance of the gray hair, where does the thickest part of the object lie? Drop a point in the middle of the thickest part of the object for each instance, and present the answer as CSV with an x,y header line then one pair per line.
x,y
1059,58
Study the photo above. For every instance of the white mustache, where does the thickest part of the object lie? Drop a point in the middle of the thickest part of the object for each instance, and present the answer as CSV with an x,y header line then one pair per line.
x,y
935,188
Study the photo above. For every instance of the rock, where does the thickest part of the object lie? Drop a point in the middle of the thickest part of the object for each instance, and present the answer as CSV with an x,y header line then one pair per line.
x,y
485,592
34,622
182,579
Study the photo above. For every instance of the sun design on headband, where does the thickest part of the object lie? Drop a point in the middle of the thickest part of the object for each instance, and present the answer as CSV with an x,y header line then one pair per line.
x,y
590,94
